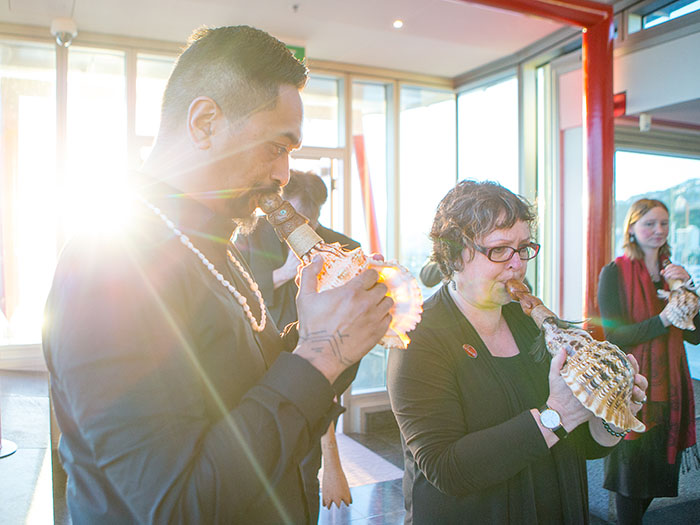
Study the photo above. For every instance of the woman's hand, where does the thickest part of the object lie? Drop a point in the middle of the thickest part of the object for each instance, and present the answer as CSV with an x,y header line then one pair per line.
x,y
562,399
595,425
639,392
674,272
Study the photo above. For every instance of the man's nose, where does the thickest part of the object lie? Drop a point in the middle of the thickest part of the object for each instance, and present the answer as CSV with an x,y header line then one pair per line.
x,y
280,170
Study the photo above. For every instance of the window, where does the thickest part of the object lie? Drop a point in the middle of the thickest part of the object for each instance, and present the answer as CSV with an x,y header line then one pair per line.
x,y
152,72
657,13
369,165
488,133
636,177
56,183
96,164
370,102
329,170
28,241
428,168
321,112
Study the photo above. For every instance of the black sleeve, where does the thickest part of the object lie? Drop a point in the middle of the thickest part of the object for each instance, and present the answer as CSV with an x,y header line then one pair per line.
x,y
123,368
425,398
693,336
618,330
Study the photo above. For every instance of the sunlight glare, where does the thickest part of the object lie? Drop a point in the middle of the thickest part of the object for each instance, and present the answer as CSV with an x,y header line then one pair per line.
x,y
99,206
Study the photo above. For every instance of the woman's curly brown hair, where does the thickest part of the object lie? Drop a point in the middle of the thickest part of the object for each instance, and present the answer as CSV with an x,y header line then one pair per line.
x,y
470,211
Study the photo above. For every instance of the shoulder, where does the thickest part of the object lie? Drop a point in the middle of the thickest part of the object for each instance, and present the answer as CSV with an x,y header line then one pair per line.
x,y
609,275
438,323
610,269
331,236
127,267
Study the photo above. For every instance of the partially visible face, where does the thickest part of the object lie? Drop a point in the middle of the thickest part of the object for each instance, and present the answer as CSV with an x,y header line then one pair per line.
x,y
482,281
651,230
251,157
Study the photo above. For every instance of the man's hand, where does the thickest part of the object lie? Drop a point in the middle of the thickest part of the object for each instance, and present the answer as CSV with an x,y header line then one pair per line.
x,y
339,326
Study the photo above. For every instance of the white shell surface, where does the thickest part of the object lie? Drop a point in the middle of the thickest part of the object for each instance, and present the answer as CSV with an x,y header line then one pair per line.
x,y
339,266
597,372
683,306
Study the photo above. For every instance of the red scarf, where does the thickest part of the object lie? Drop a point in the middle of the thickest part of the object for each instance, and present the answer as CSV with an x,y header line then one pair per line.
x,y
662,361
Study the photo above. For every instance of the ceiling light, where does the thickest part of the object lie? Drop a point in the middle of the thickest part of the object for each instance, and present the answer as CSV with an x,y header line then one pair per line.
x,y
398,24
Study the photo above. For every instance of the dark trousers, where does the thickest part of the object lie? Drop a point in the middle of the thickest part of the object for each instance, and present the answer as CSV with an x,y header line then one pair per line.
x,y
631,510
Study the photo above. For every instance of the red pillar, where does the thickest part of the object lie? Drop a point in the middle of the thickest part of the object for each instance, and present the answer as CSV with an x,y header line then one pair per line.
x,y
600,143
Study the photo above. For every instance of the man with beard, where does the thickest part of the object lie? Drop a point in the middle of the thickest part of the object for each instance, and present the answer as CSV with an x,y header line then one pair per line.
x,y
175,399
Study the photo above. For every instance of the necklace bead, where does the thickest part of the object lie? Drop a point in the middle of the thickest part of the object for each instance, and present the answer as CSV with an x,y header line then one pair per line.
x,y
240,298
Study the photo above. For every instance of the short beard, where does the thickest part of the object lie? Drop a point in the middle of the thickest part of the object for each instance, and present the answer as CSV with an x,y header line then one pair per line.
x,y
245,226
246,223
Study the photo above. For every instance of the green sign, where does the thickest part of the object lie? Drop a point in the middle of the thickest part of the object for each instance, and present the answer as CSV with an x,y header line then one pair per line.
x,y
299,52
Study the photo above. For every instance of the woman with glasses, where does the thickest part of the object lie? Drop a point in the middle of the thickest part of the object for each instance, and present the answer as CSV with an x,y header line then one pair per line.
x,y
646,466
489,434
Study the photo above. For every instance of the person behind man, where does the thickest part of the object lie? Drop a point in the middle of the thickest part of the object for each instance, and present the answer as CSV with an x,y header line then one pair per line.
x,y
275,267
174,396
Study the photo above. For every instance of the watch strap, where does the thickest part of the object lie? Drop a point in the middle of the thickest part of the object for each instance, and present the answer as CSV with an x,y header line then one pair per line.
x,y
559,430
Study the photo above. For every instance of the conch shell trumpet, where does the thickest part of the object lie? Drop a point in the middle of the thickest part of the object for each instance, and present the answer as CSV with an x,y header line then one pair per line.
x,y
340,265
683,302
598,373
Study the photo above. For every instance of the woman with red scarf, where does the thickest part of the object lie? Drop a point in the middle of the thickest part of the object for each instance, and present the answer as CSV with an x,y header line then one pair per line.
x,y
645,466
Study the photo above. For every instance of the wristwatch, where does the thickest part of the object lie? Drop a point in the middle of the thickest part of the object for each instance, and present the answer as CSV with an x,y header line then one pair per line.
x,y
551,420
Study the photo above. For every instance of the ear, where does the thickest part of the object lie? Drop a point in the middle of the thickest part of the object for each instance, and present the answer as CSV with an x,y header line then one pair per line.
x,y
202,116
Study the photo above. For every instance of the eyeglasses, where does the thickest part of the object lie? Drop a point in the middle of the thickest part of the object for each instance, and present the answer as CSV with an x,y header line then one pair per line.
x,y
501,254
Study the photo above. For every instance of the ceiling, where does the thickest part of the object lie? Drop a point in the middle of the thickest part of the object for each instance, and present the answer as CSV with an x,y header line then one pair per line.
x,y
685,113
440,37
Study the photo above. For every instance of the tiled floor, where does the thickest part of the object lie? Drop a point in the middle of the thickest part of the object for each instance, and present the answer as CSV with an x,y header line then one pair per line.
x,y
374,504
386,444
32,486
30,492
25,476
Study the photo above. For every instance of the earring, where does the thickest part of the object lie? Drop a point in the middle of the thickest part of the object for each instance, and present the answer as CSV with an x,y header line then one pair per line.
x,y
633,238
454,285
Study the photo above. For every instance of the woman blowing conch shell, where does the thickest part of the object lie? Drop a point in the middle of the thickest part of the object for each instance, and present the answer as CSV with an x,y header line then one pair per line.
x,y
491,435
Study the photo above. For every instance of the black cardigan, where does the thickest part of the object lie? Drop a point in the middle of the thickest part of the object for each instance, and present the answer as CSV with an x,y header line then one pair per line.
x,y
469,440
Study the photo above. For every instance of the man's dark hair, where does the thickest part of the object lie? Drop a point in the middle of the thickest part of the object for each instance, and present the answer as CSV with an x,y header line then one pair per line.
x,y
241,68
308,188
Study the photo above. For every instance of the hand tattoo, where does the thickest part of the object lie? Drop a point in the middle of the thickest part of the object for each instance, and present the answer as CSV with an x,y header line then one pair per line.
x,y
321,340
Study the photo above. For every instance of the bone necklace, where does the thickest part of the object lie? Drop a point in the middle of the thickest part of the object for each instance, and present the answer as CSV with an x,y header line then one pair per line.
x,y
184,239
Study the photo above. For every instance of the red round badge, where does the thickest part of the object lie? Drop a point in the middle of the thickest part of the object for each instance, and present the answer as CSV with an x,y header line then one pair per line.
x,y
470,350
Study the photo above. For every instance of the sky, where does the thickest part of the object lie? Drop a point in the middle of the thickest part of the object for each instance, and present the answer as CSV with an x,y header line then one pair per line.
x,y
638,173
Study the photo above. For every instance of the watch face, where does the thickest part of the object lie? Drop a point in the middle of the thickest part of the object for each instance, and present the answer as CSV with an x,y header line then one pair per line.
x,y
550,418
